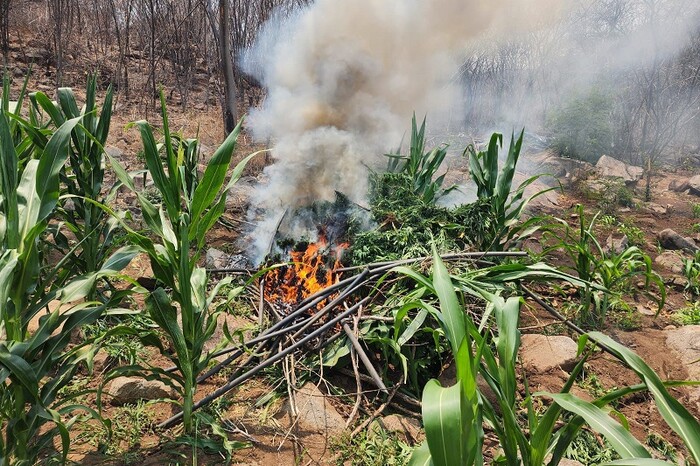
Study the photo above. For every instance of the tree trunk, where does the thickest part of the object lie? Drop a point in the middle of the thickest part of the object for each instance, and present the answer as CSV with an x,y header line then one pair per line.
x,y
5,29
230,111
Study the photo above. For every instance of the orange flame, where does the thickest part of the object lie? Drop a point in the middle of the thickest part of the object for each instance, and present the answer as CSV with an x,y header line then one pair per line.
x,y
307,273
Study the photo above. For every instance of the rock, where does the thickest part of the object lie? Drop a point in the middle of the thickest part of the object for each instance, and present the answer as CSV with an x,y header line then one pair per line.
x,y
408,426
566,170
669,239
645,310
315,413
217,259
616,246
128,390
686,342
694,185
543,353
608,166
655,208
678,186
670,261
568,462
115,152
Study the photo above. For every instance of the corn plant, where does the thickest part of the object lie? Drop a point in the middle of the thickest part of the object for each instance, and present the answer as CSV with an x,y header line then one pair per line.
x,y
495,187
178,229
452,415
613,272
691,272
82,178
421,166
36,363
24,135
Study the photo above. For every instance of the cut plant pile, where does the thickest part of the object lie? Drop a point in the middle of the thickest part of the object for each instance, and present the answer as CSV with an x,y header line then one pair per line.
x,y
409,301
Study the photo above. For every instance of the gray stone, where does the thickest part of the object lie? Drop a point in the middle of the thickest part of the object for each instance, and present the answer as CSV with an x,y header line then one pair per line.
x,y
616,246
543,353
694,185
678,186
216,259
645,310
654,208
128,390
670,261
669,239
115,152
608,166
560,168
315,413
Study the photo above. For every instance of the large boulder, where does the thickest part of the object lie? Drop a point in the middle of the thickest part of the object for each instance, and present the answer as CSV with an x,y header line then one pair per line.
x,y
129,390
694,185
669,239
542,353
608,166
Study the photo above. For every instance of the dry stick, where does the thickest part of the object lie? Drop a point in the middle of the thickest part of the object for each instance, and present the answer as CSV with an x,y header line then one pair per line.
x,y
365,378
319,314
547,307
365,360
271,332
261,307
264,364
358,380
374,415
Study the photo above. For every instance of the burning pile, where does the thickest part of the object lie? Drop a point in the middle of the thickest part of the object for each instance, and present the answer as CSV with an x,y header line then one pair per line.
x,y
310,269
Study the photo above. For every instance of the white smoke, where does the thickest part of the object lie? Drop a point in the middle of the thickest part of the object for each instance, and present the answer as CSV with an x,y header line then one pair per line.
x,y
345,76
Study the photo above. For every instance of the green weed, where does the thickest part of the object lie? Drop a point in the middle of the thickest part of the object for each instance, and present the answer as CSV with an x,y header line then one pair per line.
x,y
371,447
689,315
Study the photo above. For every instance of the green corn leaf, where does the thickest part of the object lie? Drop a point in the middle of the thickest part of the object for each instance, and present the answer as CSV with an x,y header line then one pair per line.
x,y
20,370
49,107
451,312
442,417
213,179
52,160
621,440
119,259
421,456
165,315
638,462
675,414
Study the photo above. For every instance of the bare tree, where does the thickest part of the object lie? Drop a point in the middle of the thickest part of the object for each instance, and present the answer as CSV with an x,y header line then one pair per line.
x,y
230,99
5,27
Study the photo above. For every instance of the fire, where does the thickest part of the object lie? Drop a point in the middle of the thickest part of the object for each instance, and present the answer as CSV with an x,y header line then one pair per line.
x,y
308,272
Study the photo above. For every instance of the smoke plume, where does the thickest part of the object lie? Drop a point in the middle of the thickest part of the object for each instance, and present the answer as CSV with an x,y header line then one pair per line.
x,y
345,76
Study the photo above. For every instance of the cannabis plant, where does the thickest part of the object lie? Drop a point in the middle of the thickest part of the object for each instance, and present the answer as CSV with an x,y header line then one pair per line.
x,y
496,188
421,166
